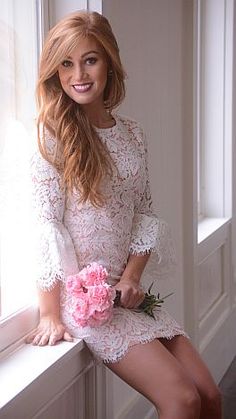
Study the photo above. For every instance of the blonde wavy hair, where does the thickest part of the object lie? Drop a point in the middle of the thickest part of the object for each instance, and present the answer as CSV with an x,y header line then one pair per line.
x,y
79,155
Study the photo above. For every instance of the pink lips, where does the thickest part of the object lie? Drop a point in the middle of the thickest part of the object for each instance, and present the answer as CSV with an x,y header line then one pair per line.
x,y
82,88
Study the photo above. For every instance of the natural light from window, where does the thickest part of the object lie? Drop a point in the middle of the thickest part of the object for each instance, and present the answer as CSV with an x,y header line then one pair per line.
x,y
17,84
214,50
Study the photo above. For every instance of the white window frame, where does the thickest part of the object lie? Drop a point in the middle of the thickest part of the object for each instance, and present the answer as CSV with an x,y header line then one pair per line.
x,y
14,327
214,135
59,8
20,377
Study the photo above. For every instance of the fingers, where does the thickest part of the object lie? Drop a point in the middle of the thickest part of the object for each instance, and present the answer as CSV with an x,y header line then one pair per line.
x,y
139,301
30,338
54,337
46,339
134,302
67,337
132,298
41,338
33,337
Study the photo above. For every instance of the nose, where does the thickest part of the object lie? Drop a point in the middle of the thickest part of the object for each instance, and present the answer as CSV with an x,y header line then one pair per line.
x,y
79,72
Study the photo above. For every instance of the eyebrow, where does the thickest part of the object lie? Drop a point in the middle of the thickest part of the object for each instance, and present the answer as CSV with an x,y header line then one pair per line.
x,y
87,53
90,52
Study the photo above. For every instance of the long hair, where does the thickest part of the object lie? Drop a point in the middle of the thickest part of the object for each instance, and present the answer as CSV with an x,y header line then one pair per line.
x,y
79,154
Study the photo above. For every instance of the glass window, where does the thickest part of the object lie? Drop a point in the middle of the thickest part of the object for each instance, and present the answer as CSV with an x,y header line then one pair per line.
x,y
214,107
19,51
23,25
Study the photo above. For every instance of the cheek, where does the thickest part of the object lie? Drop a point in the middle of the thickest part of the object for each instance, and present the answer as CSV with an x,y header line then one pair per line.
x,y
63,77
65,85
103,76
99,71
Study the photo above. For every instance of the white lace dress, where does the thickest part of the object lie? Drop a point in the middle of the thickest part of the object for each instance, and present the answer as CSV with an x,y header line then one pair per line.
x,y
72,235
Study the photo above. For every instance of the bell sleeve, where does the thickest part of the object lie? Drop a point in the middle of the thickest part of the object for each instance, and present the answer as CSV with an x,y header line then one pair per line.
x,y
151,234
54,249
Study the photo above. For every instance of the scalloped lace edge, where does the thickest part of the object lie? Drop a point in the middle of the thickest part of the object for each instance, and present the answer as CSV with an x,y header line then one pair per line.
x,y
142,341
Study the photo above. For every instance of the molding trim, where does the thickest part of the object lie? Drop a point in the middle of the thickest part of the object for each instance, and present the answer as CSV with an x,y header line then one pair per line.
x,y
42,21
221,349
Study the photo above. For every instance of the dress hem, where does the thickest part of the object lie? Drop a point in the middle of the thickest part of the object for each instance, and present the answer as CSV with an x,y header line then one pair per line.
x,y
114,359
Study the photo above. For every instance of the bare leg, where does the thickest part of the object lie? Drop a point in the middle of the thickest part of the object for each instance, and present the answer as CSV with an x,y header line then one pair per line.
x,y
182,349
154,372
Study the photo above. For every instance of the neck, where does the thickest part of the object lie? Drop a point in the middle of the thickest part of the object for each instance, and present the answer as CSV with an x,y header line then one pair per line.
x,y
99,117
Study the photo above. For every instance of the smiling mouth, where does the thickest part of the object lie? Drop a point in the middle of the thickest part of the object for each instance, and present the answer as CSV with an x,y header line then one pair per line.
x,y
82,88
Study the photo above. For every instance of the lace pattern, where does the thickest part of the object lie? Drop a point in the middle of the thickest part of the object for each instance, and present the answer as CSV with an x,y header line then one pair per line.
x,y
110,342
72,235
54,250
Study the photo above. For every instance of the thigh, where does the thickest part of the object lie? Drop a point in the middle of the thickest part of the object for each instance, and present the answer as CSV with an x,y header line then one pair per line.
x,y
182,349
154,372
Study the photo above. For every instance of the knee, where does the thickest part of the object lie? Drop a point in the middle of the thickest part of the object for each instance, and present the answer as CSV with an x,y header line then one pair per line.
x,y
183,403
190,399
213,400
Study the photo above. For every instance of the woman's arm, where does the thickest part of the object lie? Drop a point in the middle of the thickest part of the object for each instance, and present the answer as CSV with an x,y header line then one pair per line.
x,y
49,302
143,235
55,254
131,293
134,268
50,328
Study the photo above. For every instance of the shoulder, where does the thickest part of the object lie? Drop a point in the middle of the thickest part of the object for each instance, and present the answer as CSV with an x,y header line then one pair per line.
x,y
134,129
132,126
48,141
128,122
43,159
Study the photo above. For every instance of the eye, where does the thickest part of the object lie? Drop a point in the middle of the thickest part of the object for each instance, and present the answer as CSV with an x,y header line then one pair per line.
x,y
66,63
91,60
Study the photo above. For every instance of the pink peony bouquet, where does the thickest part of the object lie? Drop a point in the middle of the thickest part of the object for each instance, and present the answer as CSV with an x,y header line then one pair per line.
x,y
93,299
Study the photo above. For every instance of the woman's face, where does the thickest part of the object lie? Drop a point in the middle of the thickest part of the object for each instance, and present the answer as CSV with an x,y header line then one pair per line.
x,y
83,74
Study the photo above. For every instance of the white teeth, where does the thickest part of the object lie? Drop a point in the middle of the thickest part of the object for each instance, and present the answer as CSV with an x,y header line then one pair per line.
x,y
82,87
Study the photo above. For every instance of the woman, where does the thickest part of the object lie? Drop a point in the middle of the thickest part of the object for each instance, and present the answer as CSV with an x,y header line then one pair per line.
x,y
93,204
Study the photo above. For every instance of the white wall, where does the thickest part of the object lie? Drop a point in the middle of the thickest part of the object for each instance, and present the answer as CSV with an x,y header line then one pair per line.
x,y
157,48
150,37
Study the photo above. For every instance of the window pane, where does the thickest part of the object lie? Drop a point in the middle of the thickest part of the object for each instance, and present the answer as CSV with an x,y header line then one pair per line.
x,y
214,108
17,84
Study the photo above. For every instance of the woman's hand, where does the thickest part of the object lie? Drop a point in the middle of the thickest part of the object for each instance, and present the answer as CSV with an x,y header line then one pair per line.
x,y
49,331
132,294
50,328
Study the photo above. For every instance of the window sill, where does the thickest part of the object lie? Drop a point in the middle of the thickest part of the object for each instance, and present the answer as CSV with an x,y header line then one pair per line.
x,y
212,234
29,368
208,226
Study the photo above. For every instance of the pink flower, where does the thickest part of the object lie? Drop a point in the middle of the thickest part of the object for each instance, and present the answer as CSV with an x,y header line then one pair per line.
x,y
74,285
100,317
93,274
100,296
80,312
92,301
